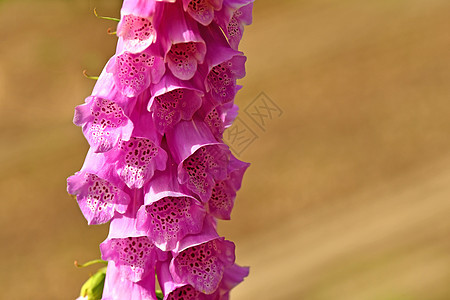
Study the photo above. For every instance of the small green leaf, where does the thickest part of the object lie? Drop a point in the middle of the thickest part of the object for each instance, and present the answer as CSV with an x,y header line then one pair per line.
x,y
93,287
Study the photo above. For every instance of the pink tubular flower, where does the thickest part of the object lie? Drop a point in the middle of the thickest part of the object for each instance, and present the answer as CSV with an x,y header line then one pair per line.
x,y
170,212
202,10
157,166
232,19
181,42
201,159
100,193
173,100
200,260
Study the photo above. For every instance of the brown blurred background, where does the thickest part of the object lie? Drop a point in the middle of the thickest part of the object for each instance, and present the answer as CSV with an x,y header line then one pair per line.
x,y
348,193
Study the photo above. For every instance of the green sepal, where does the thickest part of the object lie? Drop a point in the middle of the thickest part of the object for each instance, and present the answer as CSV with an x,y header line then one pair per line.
x,y
93,287
159,295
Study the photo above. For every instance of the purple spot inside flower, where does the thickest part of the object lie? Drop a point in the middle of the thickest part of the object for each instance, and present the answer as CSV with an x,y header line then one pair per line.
x,y
206,165
201,267
186,292
201,11
221,201
183,59
132,74
137,32
107,118
133,255
138,161
170,219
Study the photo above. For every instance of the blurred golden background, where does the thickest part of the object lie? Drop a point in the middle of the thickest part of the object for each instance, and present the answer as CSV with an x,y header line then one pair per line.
x,y
348,193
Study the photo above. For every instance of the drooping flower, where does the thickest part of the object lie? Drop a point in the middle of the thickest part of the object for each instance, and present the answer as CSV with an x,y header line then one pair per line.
x,y
232,19
232,276
182,44
224,66
202,10
200,260
224,192
157,167
170,212
100,193
201,159
173,100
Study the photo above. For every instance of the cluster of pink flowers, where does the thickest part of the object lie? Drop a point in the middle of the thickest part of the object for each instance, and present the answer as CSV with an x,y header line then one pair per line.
x,y
157,167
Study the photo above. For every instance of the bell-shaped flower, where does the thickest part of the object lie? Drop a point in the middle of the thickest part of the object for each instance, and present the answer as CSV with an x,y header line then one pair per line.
x,y
217,117
173,100
118,287
224,192
131,250
181,42
201,159
137,159
202,11
235,14
102,117
99,191
137,23
223,66
200,260
133,72
169,212
232,276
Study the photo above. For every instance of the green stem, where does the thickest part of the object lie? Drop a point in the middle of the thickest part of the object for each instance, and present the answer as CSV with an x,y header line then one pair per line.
x,y
105,18
89,77
90,263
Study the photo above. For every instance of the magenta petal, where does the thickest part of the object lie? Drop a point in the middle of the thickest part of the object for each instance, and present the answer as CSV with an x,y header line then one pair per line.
x,y
104,123
119,288
182,59
201,159
232,276
214,116
134,256
236,170
229,114
202,265
141,8
202,10
138,158
133,73
98,198
166,282
232,18
173,100
132,252
181,42
169,213
137,32
218,48
222,201
99,193
169,219
224,192
225,65
173,290
185,292
221,79
218,117
207,234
